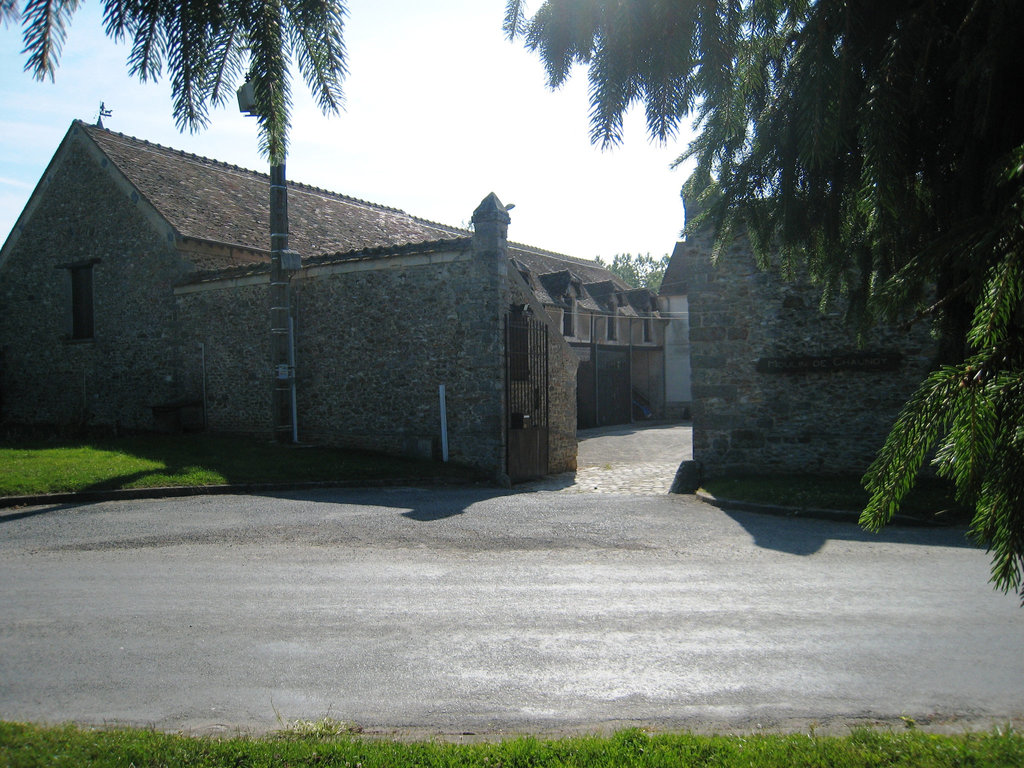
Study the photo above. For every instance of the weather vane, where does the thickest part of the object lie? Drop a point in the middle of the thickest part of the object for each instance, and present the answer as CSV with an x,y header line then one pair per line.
x,y
104,112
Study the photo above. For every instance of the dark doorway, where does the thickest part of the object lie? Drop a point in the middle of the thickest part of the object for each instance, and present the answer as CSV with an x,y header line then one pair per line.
x,y
612,369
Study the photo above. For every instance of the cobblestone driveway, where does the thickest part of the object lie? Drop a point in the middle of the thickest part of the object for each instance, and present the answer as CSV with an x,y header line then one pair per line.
x,y
631,458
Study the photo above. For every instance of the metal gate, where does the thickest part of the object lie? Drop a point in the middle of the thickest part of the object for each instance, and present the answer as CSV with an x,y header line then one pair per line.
x,y
603,387
526,388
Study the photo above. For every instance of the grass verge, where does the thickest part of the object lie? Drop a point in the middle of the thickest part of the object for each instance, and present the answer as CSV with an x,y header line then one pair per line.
x,y
931,500
23,746
153,461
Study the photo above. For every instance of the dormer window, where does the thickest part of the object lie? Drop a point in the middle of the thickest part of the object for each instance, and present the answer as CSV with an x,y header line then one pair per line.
x,y
610,329
647,329
568,324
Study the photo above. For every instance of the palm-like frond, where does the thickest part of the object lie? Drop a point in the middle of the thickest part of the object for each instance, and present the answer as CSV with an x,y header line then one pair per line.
x,y
205,46
317,39
45,23
227,66
269,66
9,11
514,24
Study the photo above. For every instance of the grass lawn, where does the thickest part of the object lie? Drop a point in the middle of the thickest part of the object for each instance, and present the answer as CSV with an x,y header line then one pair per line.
x,y
323,745
932,499
148,461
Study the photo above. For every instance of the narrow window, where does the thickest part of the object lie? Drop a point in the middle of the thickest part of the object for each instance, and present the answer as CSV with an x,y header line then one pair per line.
x,y
567,321
647,329
81,302
610,333
80,312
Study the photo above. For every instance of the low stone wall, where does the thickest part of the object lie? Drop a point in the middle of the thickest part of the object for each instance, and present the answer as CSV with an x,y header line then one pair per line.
x,y
779,386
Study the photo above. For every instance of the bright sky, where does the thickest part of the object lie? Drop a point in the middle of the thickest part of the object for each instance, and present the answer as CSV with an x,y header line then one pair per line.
x,y
441,110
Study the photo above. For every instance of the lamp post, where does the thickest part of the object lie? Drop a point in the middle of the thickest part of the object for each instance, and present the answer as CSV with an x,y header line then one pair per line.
x,y
283,262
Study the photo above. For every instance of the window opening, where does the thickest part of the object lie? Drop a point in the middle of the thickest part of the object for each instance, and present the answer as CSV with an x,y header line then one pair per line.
x,y
82,324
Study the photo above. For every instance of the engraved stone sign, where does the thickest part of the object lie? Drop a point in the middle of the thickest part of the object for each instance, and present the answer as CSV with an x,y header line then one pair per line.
x,y
831,363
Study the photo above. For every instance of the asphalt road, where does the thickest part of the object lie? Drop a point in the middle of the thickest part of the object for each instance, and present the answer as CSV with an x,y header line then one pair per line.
x,y
490,612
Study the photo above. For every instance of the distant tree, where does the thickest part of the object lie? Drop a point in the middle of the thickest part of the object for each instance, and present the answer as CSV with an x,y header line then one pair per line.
x,y
880,144
640,271
207,47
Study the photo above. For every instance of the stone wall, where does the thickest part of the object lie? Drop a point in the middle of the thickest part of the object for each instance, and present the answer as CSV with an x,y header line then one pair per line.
x,y
779,386
224,338
374,346
78,214
374,339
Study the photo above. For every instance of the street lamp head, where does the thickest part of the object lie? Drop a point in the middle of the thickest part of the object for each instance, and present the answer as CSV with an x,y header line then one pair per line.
x,y
247,99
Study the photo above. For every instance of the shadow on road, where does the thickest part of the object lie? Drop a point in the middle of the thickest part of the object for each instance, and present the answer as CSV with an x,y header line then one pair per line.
x,y
427,506
10,517
805,536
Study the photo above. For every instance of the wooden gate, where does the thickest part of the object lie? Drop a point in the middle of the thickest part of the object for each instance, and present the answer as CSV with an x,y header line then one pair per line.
x,y
526,388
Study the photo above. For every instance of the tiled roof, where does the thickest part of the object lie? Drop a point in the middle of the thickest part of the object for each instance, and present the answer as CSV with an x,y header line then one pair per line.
x,y
542,262
213,201
604,293
642,300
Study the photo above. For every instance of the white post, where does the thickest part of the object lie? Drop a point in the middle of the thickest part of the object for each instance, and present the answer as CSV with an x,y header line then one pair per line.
x,y
444,425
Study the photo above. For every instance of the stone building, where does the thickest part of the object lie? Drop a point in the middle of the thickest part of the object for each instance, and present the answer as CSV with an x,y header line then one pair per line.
x,y
616,331
134,292
778,385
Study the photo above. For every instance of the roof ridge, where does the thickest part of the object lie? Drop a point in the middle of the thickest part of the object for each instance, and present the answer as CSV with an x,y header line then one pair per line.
x,y
359,254
556,254
292,184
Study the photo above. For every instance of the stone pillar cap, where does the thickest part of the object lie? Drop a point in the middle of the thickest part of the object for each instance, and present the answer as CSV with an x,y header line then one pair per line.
x,y
491,209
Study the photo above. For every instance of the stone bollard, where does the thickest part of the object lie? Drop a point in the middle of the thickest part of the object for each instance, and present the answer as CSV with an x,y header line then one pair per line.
x,y
688,477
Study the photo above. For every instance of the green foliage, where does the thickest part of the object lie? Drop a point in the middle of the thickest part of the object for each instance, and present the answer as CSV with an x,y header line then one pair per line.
x,y
640,271
206,47
879,147
27,746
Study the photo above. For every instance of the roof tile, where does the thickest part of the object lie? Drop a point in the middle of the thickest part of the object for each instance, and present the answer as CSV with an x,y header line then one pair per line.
x,y
209,200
